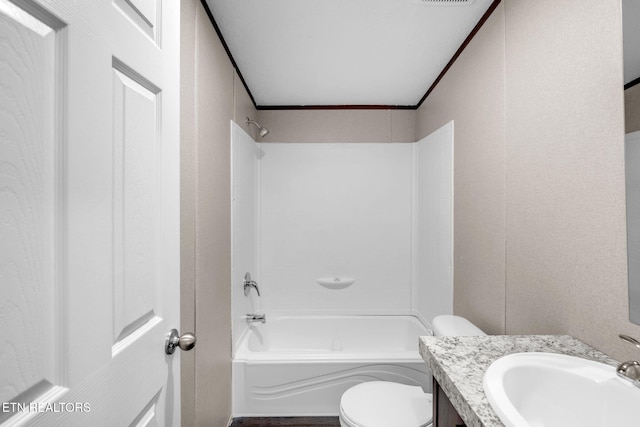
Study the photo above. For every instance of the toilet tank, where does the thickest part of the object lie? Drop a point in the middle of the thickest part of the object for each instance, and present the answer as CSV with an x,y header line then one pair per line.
x,y
449,325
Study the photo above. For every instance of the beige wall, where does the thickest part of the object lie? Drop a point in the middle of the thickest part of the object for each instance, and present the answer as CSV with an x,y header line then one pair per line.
x,y
211,95
187,206
472,94
632,109
339,125
560,197
566,232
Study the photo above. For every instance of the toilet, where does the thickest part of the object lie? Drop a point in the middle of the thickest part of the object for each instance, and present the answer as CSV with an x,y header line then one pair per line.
x,y
389,404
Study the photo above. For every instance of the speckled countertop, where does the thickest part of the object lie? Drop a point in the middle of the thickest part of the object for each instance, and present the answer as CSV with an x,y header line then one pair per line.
x,y
459,364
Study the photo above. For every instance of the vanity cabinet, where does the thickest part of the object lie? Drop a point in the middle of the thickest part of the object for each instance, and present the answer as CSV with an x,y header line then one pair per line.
x,y
444,414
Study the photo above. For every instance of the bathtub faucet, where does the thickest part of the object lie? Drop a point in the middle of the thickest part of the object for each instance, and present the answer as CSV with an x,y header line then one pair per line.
x,y
256,318
248,284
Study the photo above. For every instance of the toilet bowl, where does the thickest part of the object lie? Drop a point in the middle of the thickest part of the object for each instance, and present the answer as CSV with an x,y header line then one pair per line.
x,y
390,404
385,404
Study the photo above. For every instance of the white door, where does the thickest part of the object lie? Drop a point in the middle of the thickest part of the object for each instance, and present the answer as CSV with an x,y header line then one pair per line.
x,y
89,212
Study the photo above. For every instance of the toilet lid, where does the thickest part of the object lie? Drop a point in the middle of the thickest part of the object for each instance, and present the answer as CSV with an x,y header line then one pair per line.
x,y
385,404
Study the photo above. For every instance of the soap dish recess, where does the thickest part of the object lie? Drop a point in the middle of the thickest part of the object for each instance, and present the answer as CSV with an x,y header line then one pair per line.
x,y
335,282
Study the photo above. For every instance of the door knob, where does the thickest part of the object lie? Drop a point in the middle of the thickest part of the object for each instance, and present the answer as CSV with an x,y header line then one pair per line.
x,y
185,341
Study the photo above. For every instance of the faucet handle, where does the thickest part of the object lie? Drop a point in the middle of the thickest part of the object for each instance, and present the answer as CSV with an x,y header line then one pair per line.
x,y
247,284
630,340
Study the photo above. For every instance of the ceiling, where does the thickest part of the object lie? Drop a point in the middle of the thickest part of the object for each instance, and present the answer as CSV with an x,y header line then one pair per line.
x,y
343,52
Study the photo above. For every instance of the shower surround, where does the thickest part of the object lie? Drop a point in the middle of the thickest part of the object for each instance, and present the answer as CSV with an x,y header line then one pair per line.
x,y
379,213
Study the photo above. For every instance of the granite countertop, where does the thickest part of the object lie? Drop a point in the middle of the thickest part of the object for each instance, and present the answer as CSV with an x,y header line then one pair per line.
x,y
459,364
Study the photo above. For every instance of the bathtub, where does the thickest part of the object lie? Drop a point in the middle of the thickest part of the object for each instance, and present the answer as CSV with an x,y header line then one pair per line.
x,y
300,366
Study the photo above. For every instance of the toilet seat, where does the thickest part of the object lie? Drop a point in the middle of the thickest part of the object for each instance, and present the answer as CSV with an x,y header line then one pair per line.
x,y
385,404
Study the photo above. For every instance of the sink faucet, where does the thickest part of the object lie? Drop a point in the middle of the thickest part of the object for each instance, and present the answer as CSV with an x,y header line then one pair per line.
x,y
630,370
248,284
256,318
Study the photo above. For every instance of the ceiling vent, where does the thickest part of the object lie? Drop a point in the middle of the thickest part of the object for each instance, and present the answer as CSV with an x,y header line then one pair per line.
x,y
445,2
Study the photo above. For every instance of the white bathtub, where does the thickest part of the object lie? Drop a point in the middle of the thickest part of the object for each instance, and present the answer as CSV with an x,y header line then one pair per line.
x,y
300,366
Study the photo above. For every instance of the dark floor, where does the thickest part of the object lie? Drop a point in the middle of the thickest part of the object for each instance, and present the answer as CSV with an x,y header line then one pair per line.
x,y
286,421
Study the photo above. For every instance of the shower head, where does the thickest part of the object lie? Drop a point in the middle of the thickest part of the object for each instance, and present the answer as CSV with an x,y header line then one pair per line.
x,y
262,131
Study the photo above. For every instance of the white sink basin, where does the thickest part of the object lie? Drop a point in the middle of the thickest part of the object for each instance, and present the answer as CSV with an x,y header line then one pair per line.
x,y
545,389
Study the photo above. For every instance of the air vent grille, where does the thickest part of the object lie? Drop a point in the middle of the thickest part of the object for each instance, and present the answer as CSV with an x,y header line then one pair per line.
x,y
445,2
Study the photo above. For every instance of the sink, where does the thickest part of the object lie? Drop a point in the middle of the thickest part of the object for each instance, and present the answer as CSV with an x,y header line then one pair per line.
x,y
546,389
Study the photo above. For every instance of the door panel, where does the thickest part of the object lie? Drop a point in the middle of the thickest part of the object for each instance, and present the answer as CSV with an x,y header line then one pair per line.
x,y
135,204
143,13
29,230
